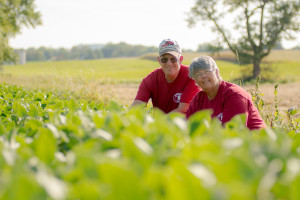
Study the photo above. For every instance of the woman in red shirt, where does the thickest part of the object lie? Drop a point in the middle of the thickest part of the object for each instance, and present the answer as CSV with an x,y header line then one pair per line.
x,y
225,99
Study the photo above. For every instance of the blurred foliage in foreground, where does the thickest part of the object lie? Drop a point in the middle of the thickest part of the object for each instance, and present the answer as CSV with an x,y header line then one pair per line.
x,y
57,147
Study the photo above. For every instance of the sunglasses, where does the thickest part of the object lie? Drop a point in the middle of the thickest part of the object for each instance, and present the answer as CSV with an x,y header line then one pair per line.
x,y
165,60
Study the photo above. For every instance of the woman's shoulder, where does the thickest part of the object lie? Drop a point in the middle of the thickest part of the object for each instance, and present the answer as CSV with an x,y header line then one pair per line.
x,y
200,96
231,88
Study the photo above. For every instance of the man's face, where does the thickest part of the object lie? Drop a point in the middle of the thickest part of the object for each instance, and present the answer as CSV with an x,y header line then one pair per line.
x,y
170,64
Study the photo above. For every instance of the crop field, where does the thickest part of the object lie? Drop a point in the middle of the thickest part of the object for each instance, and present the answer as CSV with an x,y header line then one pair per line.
x,y
58,147
118,79
122,70
66,132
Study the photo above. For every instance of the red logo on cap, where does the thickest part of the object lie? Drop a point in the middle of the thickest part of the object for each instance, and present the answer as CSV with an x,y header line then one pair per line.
x,y
168,43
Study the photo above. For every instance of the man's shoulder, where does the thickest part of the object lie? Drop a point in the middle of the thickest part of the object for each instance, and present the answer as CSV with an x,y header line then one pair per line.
x,y
156,76
184,67
184,71
155,73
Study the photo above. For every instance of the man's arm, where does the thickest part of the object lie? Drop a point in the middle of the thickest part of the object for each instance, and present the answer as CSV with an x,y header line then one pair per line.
x,y
138,102
182,107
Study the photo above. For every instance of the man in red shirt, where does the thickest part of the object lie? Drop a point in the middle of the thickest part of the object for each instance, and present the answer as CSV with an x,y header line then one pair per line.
x,y
225,99
170,88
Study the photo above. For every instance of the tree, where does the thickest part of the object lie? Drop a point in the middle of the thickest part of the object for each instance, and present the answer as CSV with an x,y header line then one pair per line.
x,y
261,23
13,15
33,54
209,47
278,45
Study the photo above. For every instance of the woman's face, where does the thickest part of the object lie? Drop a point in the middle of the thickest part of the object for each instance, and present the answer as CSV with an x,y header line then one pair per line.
x,y
207,79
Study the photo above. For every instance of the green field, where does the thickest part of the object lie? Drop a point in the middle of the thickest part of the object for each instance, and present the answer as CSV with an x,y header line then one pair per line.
x,y
62,137
132,70
123,69
117,79
59,147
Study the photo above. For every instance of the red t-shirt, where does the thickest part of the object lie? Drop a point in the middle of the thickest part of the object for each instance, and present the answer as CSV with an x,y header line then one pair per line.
x,y
167,96
229,101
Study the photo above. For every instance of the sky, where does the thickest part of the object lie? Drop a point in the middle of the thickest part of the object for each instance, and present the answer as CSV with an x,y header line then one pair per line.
x,y
68,23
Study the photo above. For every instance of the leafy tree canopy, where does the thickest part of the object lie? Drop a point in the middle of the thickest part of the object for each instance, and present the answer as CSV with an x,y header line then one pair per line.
x,y
13,15
260,24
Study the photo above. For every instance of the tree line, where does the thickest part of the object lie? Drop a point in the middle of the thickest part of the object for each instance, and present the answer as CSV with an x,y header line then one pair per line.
x,y
87,52
110,50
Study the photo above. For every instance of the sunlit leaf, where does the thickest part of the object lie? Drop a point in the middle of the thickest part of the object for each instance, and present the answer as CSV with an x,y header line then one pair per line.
x,y
33,111
45,146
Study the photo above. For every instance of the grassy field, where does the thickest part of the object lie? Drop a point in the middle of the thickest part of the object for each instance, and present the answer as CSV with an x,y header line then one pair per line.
x,y
132,70
57,146
118,70
117,79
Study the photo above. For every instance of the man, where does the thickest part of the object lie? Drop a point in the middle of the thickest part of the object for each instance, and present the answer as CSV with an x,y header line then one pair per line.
x,y
169,87
225,99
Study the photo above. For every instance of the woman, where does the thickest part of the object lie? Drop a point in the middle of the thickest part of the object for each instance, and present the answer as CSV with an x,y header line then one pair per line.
x,y
225,99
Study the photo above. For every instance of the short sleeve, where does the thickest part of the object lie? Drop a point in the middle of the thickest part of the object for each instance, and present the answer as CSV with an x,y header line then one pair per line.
x,y
190,90
235,104
144,92
193,107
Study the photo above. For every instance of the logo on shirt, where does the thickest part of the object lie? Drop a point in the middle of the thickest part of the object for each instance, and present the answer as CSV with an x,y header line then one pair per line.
x,y
220,116
177,97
